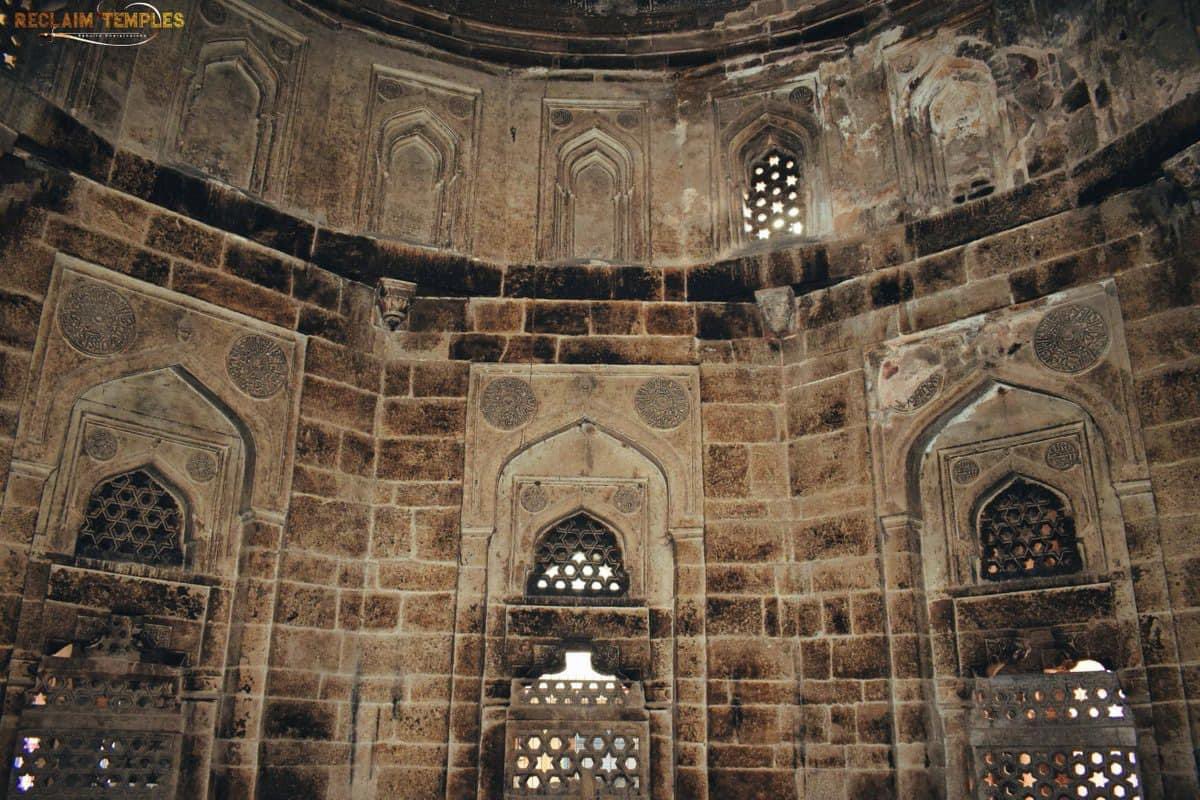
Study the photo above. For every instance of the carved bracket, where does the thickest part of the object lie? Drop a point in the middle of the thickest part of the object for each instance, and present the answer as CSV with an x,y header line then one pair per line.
x,y
393,298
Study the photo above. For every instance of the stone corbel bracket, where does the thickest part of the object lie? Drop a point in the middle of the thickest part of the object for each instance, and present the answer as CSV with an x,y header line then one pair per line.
x,y
778,309
393,298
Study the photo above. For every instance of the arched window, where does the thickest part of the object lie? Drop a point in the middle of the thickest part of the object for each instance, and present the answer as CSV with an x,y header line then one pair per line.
x,y
773,199
1026,530
578,557
133,517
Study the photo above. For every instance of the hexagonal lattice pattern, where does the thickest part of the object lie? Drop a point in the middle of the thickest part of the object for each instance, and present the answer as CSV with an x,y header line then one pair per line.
x,y
1088,773
75,765
555,761
772,204
132,517
1025,531
578,558
1060,736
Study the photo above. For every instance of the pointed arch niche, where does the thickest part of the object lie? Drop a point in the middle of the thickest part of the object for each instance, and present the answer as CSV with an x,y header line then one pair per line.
x,y
952,132
958,416
594,183
417,165
130,379
752,127
231,112
554,445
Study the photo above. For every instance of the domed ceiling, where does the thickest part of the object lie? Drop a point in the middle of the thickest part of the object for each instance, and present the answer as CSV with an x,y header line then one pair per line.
x,y
620,33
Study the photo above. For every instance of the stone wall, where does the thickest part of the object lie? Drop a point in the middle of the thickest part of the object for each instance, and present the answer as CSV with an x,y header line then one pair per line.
x,y
349,647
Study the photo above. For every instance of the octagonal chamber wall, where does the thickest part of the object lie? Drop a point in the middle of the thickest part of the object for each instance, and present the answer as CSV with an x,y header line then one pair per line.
x,y
363,133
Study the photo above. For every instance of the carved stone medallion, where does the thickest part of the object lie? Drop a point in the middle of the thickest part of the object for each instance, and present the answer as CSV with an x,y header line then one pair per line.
x,y
257,365
1071,338
460,107
628,120
965,470
801,96
390,90
100,444
662,403
202,467
1062,454
628,499
926,390
97,320
534,498
508,403
560,117
282,49
214,13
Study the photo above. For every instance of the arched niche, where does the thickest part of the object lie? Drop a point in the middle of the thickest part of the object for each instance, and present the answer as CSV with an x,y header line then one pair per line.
x,y
164,422
226,124
171,338
583,468
543,445
417,164
593,189
952,132
955,412
748,139
999,435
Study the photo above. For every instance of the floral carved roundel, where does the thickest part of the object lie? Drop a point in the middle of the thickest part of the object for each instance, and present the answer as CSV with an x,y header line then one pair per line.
x,y
97,320
1071,338
508,403
662,403
257,365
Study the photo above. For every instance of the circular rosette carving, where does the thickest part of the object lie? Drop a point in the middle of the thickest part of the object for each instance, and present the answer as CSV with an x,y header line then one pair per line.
x,y
202,467
534,498
1062,454
629,120
97,320
1071,338
662,403
628,499
560,117
925,391
508,403
257,365
100,444
965,470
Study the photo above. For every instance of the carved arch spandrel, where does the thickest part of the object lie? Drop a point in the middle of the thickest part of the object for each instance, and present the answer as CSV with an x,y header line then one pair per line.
x,y
562,397
970,357
168,331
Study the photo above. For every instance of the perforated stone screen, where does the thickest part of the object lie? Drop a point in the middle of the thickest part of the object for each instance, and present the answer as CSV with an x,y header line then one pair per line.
x,y
132,517
64,763
578,558
1067,736
772,201
576,738
1026,531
